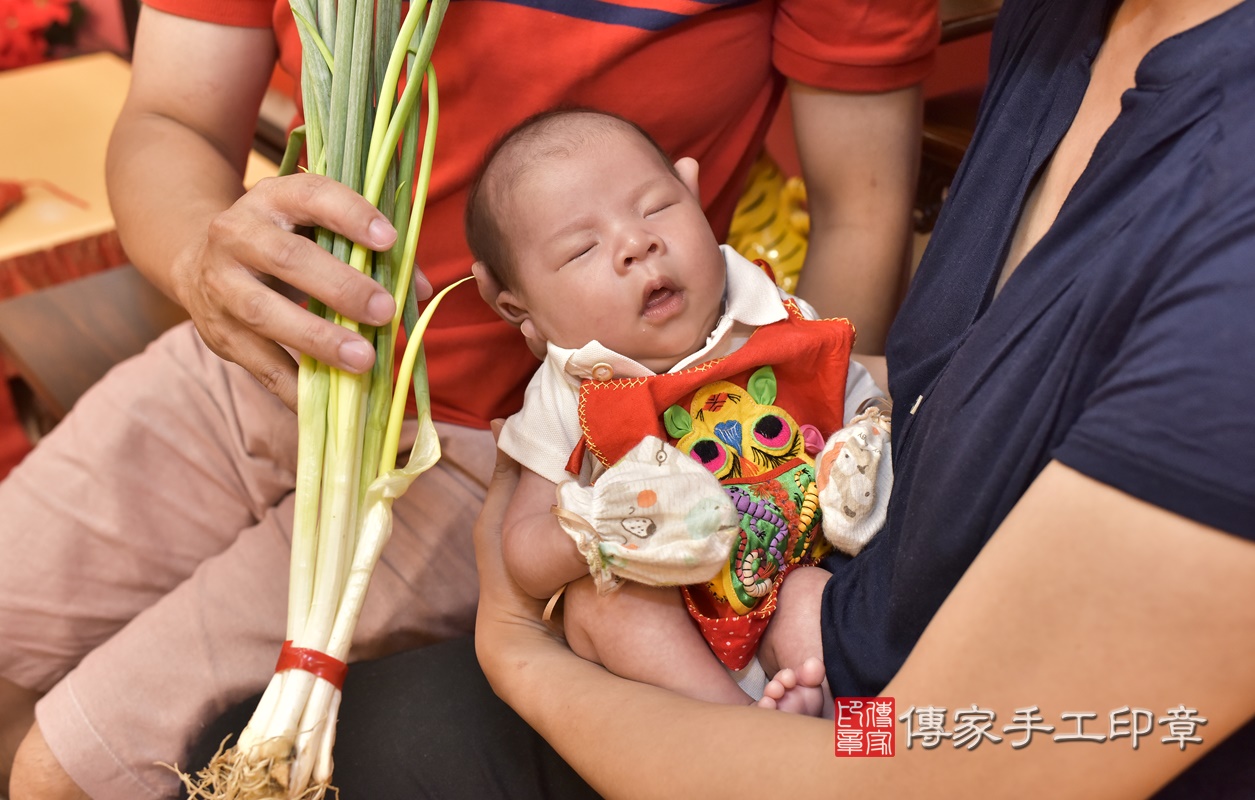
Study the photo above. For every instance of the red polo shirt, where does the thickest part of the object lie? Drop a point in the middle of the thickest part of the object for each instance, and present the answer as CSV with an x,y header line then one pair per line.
x,y
704,77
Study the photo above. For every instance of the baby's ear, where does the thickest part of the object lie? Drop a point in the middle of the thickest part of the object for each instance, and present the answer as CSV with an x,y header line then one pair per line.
x,y
687,167
535,342
503,301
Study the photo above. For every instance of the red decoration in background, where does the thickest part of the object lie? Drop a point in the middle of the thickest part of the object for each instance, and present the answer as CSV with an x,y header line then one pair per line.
x,y
14,192
10,195
29,28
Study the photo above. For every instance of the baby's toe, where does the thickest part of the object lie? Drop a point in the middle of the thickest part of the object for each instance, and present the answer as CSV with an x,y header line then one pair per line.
x,y
786,678
811,673
773,690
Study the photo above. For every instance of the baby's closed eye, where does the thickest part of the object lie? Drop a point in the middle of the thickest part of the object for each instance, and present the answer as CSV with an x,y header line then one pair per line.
x,y
580,251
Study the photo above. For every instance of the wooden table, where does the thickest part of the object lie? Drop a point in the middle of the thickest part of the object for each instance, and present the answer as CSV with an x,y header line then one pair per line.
x,y
63,339
57,118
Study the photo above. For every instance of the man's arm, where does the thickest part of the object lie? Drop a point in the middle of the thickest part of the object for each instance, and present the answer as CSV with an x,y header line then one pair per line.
x,y
859,155
1086,599
174,169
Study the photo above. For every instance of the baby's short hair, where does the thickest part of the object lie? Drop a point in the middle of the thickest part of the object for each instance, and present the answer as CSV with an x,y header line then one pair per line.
x,y
557,132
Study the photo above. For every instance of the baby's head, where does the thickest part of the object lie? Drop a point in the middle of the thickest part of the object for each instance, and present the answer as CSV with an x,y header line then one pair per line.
x,y
591,233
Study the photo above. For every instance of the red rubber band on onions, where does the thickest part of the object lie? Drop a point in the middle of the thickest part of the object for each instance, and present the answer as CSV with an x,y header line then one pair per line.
x,y
321,665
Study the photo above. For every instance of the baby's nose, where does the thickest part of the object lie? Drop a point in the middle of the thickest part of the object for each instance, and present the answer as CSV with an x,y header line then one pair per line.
x,y
639,251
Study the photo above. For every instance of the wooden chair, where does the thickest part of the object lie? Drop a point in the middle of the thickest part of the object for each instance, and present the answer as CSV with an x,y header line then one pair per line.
x,y
950,118
949,121
63,339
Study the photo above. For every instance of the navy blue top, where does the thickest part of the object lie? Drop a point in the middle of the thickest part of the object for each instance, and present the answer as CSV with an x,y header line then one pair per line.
x,y
1123,345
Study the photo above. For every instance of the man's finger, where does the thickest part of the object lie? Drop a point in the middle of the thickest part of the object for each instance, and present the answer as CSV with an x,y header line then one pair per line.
x,y
270,364
307,199
264,248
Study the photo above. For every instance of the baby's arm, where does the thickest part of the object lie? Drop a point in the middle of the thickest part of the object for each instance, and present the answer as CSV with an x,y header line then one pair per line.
x,y
539,555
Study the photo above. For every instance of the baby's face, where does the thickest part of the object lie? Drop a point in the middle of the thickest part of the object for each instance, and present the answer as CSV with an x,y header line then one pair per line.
x,y
609,245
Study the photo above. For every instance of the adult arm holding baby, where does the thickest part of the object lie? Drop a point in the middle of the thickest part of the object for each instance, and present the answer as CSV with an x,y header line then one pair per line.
x,y
586,712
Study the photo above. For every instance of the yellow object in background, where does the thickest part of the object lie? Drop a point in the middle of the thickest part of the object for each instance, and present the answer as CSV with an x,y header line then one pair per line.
x,y
771,222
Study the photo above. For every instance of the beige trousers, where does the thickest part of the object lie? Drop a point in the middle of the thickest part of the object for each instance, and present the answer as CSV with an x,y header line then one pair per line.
x,y
144,561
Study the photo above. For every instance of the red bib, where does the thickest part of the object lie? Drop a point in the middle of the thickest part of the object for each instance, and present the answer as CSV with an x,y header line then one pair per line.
x,y
810,358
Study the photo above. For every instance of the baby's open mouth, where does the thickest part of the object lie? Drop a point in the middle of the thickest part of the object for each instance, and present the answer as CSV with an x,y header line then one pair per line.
x,y
660,295
657,297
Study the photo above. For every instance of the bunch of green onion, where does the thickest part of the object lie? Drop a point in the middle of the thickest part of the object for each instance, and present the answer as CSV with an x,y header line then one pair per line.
x,y
361,131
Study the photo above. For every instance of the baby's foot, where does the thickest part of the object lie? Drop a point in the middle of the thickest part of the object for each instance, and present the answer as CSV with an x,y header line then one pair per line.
x,y
800,691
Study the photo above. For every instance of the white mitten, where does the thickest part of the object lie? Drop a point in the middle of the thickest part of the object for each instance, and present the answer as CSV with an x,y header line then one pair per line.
x,y
656,517
855,475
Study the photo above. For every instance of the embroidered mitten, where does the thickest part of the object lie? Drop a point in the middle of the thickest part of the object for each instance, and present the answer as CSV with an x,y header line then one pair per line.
x,y
855,474
656,517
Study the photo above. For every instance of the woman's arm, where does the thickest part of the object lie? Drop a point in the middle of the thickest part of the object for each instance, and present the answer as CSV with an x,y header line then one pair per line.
x,y
877,367
174,169
1085,600
859,156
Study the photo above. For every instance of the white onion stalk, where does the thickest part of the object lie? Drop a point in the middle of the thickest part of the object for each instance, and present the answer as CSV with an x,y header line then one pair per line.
x,y
349,425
